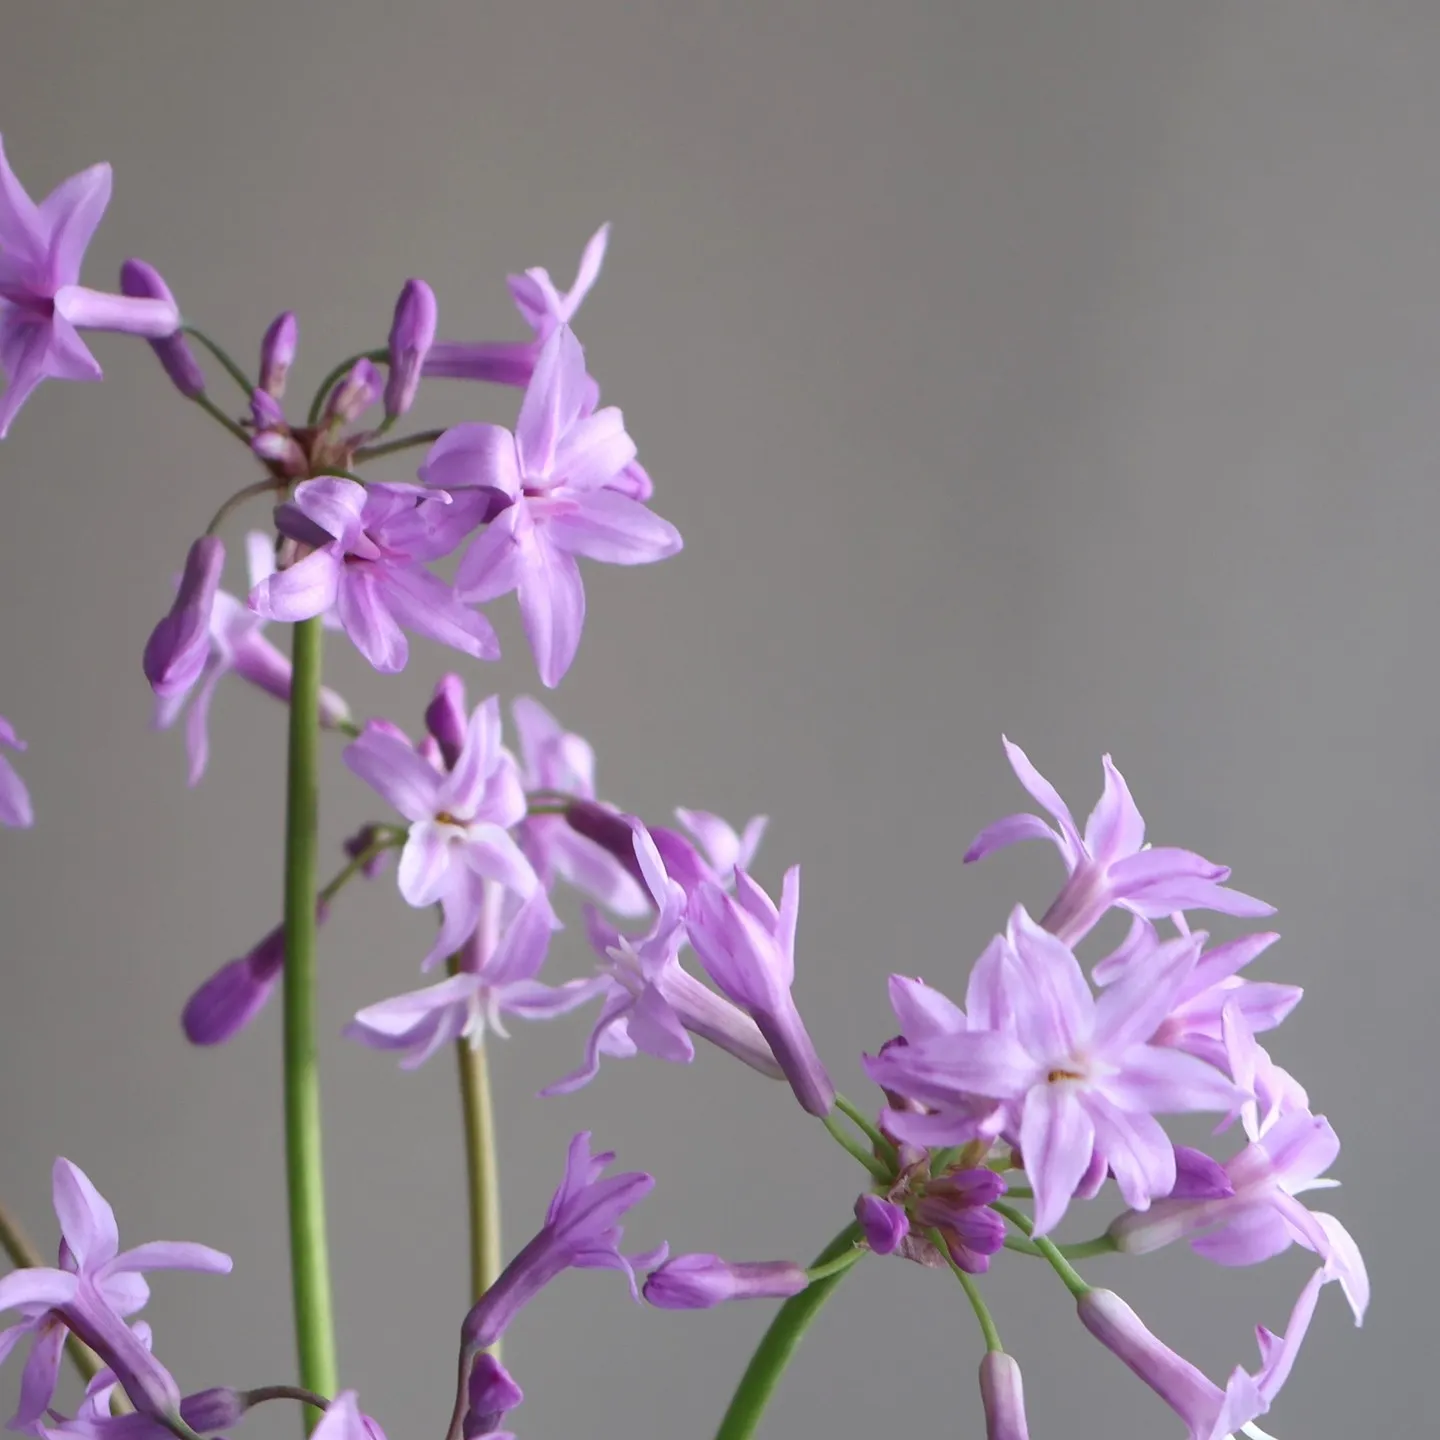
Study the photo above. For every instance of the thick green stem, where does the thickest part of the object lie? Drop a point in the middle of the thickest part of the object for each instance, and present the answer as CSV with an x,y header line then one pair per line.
x,y
309,1251
482,1173
787,1329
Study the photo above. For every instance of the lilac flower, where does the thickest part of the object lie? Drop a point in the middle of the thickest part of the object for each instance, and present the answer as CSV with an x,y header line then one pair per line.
x,y
553,478
1209,1412
343,1420
371,542
1003,1395
492,1395
747,946
581,1231
544,309
179,645
142,281
41,304
700,1282
15,807
493,981
1080,1082
411,336
459,822
723,847
1110,864
1270,1092
885,1224
651,1002
1261,1217
553,759
236,643
356,392
277,353
206,1412
956,1205
95,1288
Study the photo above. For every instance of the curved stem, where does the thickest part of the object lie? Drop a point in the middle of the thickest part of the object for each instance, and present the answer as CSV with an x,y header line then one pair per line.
x,y
972,1293
309,1251
1074,1282
786,1331
284,1392
217,414
877,1168
376,357
267,486
1079,1250
390,447
223,356
876,1136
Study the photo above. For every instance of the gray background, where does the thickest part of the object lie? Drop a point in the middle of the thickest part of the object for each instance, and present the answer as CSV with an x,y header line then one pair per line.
x,y
1066,370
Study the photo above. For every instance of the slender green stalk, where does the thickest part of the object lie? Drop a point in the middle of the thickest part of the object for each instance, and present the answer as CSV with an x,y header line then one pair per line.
x,y
877,1168
268,486
1079,1250
376,357
217,414
787,1329
223,356
972,1293
309,1250
392,447
23,1254
1074,1282
876,1136
253,1398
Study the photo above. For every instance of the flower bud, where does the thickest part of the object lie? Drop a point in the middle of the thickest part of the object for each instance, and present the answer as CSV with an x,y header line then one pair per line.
x,y
492,1394
885,1225
1003,1395
179,645
609,829
354,395
142,281
700,1282
411,335
209,1411
446,718
277,353
1173,1378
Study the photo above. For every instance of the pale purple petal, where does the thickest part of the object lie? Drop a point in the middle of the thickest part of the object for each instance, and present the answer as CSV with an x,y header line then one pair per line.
x,y
426,862
499,558
1136,1148
39,1377
479,755
86,1220
390,766
1168,1082
552,402
425,604
305,590
40,1286
172,1255
524,945
361,605
984,1062
71,213
1054,1009
1158,881
473,455
1057,1139
1010,831
1046,795
604,525
1115,826
1249,1235
1132,1009
923,1012
552,606
1345,1264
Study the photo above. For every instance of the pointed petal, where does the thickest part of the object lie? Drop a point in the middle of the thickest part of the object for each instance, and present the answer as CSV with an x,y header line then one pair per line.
x,y
39,1378
1131,1010
1046,795
923,1012
473,455
1346,1264
86,1220
426,863
552,403
390,766
522,949
500,557
1136,1148
1054,1009
1115,827
39,1285
1010,831
306,589
609,527
1249,1234
1168,1082
1057,1139
425,604
552,606
173,1255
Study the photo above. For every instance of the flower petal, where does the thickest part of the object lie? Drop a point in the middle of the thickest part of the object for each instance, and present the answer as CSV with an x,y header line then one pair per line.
x,y
1057,1139
86,1220
610,527
390,766
552,606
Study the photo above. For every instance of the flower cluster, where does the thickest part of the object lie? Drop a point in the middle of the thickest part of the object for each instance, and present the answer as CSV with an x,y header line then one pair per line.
x,y
1035,1089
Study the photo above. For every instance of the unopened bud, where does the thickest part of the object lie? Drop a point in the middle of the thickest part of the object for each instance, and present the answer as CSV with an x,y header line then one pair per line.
x,y
142,281
277,353
411,335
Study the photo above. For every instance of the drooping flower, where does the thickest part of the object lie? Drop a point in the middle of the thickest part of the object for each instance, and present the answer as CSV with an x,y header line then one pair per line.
x,y
555,760
1002,1392
144,282
42,304
179,645
553,478
582,1231
237,643
96,1287
1110,864
494,980
747,946
1261,1217
700,1282
1209,1412
1079,1081
371,544
16,810
492,1395
652,1003
411,335
206,1412
459,822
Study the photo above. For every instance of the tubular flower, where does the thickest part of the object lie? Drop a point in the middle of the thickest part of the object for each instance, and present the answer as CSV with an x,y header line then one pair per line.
x,y
16,810
1003,1395
700,1282
1110,864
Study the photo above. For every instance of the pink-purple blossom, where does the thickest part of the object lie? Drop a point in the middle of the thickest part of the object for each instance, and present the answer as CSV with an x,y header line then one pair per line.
x,y
412,333
179,645
700,1282
1002,1392
142,281
16,810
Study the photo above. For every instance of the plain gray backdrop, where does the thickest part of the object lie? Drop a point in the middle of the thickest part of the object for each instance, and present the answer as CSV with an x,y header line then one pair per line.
x,y
1062,370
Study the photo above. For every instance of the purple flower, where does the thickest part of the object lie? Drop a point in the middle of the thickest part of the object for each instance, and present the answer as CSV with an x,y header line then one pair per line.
x,y
277,353
557,760
553,477
1110,864
1209,1412
205,1412
459,822
1003,1395
700,1282
725,849
1080,1083
494,980
343,1420
582,1231
236,643
885,1224
747,946
95,1288
651,1002
492,1394
411,335
544,307
356,392
1261,1216
179,645
956,1205
41,304
15,808
144,282
371,542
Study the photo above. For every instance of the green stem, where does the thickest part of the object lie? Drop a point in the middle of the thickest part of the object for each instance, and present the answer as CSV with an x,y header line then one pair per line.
x,y
16,1244
786,1331
267,486
877,1138
972,1293
391,447
376,357
1080,1250
309,1251
1074,1282
222,355
837,1266
877,1168
217,414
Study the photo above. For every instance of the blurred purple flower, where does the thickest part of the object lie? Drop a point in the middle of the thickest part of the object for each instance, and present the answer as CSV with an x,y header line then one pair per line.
x,y
411,335
885,1224
179,645
956,1205
277,353
15,807
700,1282
492,1395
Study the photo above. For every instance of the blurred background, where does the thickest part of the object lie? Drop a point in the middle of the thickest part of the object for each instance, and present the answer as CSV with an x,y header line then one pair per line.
x,y
1067,371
